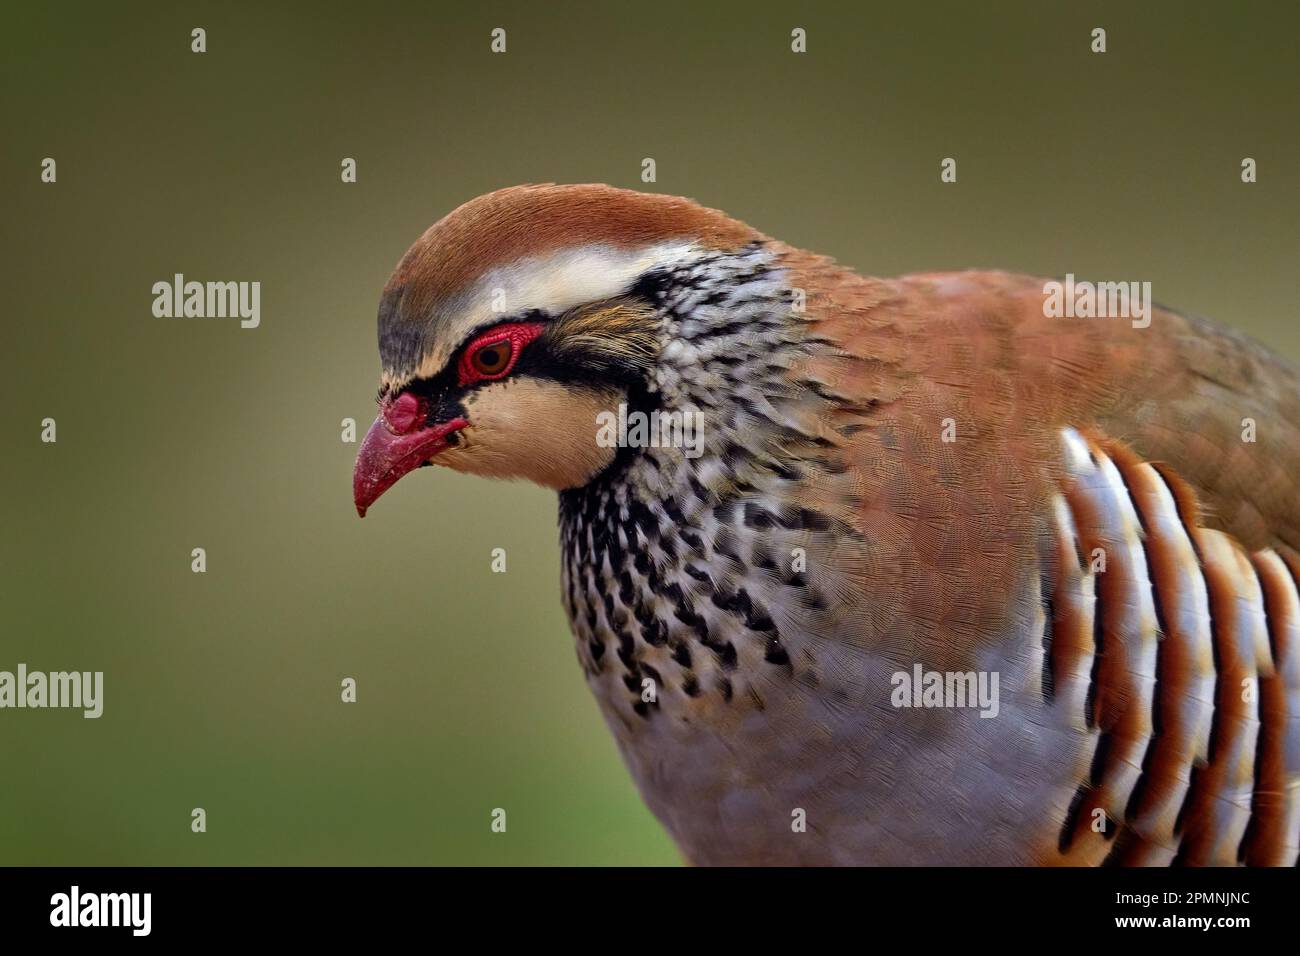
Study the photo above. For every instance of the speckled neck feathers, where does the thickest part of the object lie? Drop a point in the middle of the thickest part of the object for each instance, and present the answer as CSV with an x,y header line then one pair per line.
x,y
671,563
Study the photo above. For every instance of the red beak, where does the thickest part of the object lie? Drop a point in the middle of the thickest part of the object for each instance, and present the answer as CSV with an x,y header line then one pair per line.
x,y
387,454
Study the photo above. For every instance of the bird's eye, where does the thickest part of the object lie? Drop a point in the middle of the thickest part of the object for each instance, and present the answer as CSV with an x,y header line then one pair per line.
x,y
491,359
493,354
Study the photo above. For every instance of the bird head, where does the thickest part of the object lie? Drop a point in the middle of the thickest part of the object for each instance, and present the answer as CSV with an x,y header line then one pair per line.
x,y
513,322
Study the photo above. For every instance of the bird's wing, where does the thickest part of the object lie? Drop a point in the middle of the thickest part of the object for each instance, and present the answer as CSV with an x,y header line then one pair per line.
x,y
994,451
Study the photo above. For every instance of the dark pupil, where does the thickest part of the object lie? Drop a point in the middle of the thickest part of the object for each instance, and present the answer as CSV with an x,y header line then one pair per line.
x,y
490,358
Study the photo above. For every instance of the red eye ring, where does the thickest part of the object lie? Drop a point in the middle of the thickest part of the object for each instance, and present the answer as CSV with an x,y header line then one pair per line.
x,y
514,337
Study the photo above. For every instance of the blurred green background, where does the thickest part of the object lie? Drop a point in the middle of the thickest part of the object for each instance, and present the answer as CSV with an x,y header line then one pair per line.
x,y
222,689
